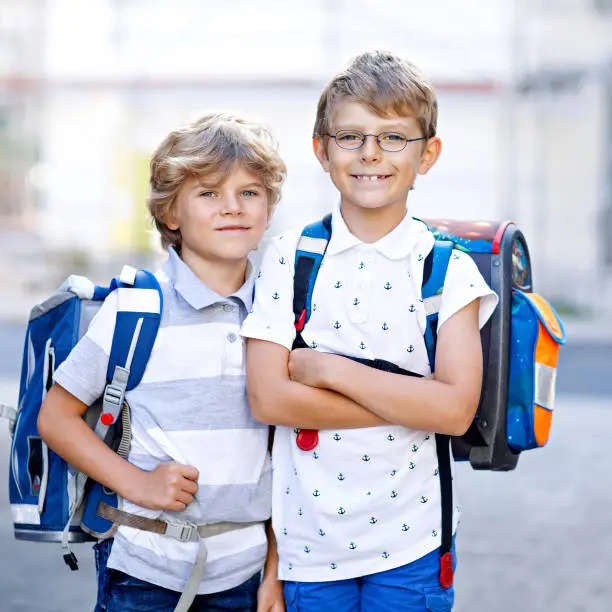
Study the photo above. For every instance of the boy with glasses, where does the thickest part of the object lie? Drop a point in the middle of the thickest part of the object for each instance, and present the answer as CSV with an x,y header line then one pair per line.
x,y
357,510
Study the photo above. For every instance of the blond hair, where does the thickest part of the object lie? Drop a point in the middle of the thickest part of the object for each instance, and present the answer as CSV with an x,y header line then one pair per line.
x,y
211,146
386,85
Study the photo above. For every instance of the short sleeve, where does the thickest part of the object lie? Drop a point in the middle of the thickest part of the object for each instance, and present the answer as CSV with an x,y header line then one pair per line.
x,y
464,284
271,317
83,372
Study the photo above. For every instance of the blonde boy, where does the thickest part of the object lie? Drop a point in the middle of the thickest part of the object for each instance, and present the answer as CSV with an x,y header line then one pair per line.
x,y
196,453
358,517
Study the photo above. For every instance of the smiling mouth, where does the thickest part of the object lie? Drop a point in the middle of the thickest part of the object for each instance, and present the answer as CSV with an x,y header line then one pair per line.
x,y
371,178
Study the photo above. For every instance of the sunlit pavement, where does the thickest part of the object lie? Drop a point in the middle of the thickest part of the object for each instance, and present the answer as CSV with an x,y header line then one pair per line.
x,y
536,539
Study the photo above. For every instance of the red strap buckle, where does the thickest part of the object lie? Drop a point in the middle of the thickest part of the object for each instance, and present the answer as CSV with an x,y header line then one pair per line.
x,y
307,439
446,570
299,324
107,419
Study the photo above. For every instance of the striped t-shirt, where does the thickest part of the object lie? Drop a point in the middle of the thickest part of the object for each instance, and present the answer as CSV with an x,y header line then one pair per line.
x,y
191,407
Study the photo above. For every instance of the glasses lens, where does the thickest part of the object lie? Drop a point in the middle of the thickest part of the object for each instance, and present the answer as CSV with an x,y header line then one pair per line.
x,y
392,141
347,139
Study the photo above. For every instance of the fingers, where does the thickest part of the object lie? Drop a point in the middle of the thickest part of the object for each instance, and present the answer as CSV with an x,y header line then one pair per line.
x,y
188,471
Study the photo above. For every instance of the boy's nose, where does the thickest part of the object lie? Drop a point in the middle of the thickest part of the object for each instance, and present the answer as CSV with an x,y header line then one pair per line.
x,y
370,149
232,204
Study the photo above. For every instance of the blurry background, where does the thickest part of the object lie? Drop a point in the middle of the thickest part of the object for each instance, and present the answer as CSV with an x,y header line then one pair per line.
x,y
88,89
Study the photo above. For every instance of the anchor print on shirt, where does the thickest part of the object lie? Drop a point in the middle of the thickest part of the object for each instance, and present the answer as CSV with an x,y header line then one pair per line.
x,y
337,325
373,520
385,327
316,493
393,494
392,472
434,533
341,476
420,257
338,284
387,285
356,302
321,532
282,261
414,448
300,511
362,346
307,549
315,455
352,546
275,296
259,274
411,308
313,345
385,555
366,458
333,565
410,349
405,527
341,511
390,437
424,499
361,265
411,466
285,531
337,437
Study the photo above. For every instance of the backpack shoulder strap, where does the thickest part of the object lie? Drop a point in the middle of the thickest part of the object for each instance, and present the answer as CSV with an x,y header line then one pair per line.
x,y
308,257
139,308
434,273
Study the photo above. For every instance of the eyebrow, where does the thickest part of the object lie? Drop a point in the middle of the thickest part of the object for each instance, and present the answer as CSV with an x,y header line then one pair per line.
x,y
392,128
202,185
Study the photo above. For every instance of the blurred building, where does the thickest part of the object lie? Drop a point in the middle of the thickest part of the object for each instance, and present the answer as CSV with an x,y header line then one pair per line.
x,y
525,113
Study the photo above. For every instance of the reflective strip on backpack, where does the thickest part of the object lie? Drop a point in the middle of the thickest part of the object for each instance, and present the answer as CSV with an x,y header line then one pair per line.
x,y
312,245
138,300
26,514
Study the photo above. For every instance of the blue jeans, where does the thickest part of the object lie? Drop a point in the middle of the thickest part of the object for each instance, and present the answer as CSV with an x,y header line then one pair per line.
x,y
414,587
119,592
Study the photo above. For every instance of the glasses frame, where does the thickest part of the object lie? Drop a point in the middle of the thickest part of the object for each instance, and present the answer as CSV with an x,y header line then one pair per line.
x,y
377,136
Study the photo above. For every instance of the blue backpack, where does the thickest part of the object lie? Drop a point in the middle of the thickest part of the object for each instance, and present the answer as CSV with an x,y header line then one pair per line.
x,y
50,500
520,348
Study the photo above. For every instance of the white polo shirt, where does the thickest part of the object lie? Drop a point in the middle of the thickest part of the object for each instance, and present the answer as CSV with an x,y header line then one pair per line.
x,y
364,500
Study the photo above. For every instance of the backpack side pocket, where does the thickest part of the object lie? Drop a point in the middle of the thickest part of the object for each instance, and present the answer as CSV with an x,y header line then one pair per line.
x,y
535,336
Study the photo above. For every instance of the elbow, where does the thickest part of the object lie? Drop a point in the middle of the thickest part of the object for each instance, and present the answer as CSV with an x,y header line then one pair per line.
x,y
262,406
43,422
462,418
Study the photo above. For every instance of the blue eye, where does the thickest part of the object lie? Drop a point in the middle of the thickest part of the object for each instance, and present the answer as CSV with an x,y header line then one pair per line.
x,y
348,136
207,194
249,193
393,137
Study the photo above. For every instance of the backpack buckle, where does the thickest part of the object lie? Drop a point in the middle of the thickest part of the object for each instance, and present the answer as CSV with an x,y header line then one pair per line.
x,y
183,531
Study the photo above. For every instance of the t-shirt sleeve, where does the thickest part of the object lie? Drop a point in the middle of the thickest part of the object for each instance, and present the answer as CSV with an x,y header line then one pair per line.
x,y
83,372
464,284
271,317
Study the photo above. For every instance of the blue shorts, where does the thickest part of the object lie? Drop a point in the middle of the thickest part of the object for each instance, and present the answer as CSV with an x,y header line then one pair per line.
x,y
119,592
415,587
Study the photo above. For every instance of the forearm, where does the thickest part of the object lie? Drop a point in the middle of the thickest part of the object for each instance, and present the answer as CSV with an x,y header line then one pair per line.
x,y
418,403
292,404
271,566
67,434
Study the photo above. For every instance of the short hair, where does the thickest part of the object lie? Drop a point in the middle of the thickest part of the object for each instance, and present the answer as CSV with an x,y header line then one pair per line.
x,y
211,145
386,85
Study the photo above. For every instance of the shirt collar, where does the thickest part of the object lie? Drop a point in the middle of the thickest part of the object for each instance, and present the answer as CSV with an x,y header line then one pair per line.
x,y
397,244
195,292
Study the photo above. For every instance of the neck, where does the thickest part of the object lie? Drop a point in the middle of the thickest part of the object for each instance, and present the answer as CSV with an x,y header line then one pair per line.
x,y
221,276
372,224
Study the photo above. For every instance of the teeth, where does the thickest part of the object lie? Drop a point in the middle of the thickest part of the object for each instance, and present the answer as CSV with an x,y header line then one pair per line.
x,y
363,177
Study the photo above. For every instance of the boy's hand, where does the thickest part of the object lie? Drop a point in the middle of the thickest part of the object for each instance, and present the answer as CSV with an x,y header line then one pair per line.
x,y
270,596
307,367
170,486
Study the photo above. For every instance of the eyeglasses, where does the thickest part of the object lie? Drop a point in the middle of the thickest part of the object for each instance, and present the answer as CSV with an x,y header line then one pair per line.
x,y
388,141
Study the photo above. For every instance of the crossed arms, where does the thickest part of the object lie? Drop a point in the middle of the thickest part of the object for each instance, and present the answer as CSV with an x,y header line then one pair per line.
x,y
314,390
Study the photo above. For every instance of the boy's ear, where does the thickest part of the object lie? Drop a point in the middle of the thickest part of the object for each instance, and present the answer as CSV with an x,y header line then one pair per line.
x,y
170,220
430,155
319,146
